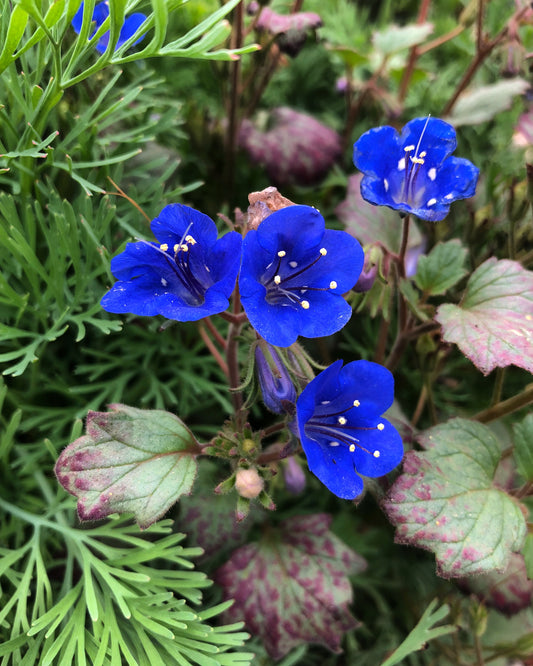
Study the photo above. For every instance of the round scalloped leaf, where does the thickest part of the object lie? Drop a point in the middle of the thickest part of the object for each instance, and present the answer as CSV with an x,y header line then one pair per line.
x,y
493,325
130,461
445,501
292,587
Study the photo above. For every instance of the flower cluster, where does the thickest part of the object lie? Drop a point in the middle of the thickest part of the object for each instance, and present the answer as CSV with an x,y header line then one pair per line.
x,y
101,11
413,172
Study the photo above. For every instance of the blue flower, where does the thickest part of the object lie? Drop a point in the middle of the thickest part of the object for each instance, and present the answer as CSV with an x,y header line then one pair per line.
x,y
341,428
279,394
294,273
413,172
101,11
188,275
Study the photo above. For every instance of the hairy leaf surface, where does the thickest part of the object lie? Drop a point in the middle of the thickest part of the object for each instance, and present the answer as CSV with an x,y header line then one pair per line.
x,y
446,502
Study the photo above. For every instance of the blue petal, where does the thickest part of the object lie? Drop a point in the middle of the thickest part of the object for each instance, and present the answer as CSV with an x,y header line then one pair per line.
x,y
100,13
377,151
175,221
432,136
386,441
294,227
327,314
224,261
129,28
334,467
371,384
325,386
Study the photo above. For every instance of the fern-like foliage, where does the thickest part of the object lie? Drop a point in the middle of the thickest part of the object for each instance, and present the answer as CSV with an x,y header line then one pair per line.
x,y
112,596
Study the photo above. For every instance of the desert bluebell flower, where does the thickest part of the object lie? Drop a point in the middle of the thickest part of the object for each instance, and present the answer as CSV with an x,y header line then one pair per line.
x,y
341,428
101,11
413,172
294,272
186,276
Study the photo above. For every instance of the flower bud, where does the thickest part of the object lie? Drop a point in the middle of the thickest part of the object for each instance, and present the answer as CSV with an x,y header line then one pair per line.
x,y
248,483
277,388
294,476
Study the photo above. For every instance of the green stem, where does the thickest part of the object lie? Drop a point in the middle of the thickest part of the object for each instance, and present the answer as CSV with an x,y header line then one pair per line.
x,y
506,406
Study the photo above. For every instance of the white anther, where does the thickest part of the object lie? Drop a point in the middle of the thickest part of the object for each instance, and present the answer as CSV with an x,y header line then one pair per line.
x,y
381,426
323,251
293,264
277,279
334,443
342,420
416,160
305,305
164,282
281,253
423,153
432,173
190,239
409,149
356,403
352,448
176,248
184,247
386,183
325,402
163,247
448,196
376,454
401,164
431,202
333,285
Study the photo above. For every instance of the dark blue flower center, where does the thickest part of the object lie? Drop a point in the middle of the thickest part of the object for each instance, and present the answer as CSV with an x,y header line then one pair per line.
x,y
337,427
187,263
286,282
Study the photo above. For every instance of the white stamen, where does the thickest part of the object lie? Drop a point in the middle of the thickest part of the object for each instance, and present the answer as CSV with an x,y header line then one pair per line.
x,y
325,402
281,253
432,173
376,454
352,448
381,426
333,285
207,268
356,403
334,443
409,149
431,202
448,196
190,239
163,247
401,164
305,305
277,279
164,282
176,248
423,153
323,251
386,183
184,247
293,264
342,420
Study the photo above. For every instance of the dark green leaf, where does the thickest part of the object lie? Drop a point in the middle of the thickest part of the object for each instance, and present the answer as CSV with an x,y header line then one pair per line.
x,y
443,267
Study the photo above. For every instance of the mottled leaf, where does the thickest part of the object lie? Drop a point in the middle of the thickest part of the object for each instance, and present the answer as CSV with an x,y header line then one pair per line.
x,y
296,150
130,461
443,267
523,447
394,38
493,325
445,501
276,24
509,592
373,224
292,586
484,103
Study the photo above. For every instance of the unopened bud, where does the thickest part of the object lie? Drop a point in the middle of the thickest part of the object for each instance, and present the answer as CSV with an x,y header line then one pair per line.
x,y
248,483
294,477
277,388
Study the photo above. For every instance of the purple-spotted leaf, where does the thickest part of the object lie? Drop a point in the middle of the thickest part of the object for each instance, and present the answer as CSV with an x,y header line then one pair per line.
x,y
297,149
130,461
292,587
373,224
493,325
509,592
445,501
